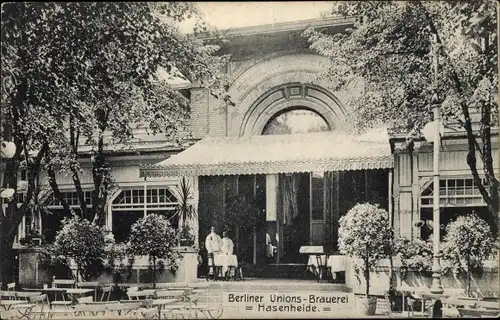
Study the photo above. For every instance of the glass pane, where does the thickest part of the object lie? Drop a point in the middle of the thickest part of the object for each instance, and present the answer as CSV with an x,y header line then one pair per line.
x,y
295,121
317,213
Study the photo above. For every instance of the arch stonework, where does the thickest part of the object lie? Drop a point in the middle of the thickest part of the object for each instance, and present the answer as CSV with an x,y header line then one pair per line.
x,y
252,91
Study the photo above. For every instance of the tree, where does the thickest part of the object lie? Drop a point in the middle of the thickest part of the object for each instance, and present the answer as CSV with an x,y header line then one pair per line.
x,y
365,233
468,242
83,241
73,72
155,237
185,211
389,49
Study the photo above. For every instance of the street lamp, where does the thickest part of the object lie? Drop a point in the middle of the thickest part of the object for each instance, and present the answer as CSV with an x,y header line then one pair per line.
x,y
432,132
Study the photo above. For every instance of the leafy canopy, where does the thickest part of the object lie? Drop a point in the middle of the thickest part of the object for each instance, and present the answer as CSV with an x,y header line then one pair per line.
x,y
153,235
389,48
80,240
365,233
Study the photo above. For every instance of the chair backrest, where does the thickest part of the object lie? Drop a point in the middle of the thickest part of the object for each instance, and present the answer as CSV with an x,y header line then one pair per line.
x,y
107,289
8,294
87,284
174,294
63,283
11,286
84,300
143,294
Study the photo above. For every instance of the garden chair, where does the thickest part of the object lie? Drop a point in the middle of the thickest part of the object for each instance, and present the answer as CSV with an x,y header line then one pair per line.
x,y
89,284
62,283
11,286
107,290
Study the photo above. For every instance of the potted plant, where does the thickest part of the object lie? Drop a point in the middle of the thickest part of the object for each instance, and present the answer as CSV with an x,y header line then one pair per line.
x,y
186,212
83,241
365,234
468,242
154,236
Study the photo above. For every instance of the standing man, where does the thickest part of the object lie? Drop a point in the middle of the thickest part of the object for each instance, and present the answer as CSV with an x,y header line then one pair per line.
x,y
213,245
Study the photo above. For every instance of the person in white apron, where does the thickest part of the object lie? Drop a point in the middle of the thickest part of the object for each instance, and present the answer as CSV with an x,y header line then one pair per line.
x,y
213,245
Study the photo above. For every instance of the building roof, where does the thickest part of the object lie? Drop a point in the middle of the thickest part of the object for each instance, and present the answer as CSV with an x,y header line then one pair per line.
x,y
271,154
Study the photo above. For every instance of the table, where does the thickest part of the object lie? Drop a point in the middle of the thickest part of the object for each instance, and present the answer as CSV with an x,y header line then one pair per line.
x,y
226,261
331,263
70,291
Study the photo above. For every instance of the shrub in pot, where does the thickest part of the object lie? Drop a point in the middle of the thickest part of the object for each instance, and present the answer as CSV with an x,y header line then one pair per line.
x,y
365,234
154,236
467,243
84,242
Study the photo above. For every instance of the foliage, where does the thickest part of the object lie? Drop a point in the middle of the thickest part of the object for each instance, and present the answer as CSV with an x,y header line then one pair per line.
x,y
468,242
153,236
185,209
365,233
186,236
415,255
386,57
83,241
240,211
115,254
74,72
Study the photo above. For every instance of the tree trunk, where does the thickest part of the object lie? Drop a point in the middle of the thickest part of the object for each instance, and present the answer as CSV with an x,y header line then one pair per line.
x,y
367,275
154,272
467,288
7,261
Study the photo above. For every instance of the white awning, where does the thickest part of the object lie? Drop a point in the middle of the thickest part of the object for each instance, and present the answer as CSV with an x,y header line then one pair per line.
x,y
270,154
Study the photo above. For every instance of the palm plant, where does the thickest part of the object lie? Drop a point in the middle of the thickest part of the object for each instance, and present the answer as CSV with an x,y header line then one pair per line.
x,y
185,210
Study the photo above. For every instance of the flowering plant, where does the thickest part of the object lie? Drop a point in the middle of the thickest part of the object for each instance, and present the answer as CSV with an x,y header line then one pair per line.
x,y
365,233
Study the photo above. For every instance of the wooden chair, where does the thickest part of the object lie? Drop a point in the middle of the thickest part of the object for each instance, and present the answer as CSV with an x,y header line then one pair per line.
x,y
62,283
89,284
11,286
11,295
107,290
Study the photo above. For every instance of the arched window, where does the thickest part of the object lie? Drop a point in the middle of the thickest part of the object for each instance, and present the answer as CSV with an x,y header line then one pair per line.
x,y
298,120
130,205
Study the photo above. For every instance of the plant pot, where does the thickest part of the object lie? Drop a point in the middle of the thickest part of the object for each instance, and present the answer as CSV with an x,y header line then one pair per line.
x,y
368,305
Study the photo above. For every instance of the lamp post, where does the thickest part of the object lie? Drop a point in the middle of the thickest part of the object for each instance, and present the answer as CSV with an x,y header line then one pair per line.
x,y
435,137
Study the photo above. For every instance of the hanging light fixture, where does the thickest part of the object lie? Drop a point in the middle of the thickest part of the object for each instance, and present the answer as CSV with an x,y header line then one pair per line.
x,y
8,149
